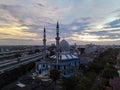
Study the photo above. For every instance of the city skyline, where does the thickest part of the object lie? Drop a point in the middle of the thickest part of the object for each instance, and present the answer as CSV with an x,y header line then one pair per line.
x,y
81,21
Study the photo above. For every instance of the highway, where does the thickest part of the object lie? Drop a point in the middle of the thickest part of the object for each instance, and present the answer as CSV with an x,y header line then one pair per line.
x,y
18,51
11,54
5,62
13,63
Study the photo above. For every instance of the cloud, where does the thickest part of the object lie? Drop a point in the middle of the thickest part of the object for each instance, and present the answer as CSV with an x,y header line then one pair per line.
x,y
81,20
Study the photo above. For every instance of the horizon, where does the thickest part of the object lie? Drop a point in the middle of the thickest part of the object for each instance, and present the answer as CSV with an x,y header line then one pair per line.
x,y
80,21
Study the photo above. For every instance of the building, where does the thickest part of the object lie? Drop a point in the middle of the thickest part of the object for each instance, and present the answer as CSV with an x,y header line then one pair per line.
x,y
63,60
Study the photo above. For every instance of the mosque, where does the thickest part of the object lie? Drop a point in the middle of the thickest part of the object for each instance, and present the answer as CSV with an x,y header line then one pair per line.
x,y
63,60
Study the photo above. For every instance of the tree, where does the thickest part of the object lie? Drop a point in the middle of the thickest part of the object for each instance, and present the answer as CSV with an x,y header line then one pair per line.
x,y
109,72
55,75
84,83
98,87
70,83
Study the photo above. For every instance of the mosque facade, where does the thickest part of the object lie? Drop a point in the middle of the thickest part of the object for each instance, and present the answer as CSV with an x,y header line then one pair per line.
x,y
63,60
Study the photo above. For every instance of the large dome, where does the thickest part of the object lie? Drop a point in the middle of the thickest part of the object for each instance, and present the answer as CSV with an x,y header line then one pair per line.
x,y
65,54
64,46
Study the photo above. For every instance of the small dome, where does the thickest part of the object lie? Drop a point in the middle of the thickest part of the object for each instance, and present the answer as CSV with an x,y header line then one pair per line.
x,y
64,46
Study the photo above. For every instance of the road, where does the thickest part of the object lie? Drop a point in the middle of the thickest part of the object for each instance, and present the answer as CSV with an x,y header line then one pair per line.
x,y
13,63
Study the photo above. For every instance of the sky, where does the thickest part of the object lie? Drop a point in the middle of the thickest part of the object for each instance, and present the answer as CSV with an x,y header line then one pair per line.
x,y
80,21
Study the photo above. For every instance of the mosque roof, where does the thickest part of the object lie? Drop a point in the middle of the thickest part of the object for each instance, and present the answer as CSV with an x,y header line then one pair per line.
x,y
65,56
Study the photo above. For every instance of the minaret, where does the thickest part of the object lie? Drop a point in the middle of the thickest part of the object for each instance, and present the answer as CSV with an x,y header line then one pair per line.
x,y
44,44
57,42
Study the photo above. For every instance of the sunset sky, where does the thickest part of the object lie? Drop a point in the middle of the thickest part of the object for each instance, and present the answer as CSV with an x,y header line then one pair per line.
x,y
81,21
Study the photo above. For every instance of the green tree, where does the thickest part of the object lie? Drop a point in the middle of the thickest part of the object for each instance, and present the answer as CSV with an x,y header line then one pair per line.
x,y
109,72
98,87
85,83
70,83
54,75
